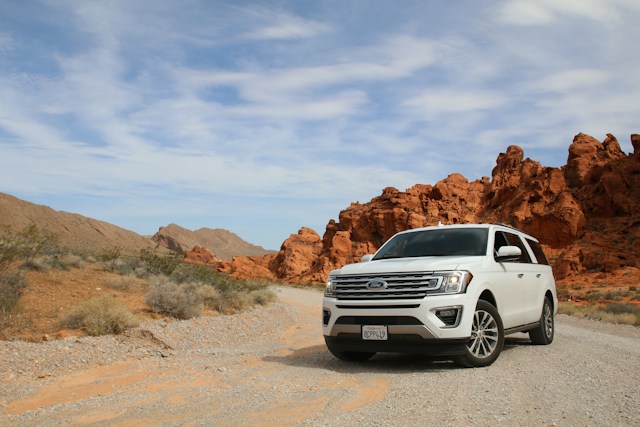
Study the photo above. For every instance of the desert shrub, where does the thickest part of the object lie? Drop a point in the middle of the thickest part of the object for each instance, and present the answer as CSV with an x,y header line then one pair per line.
x,y
263,296
56,261
12,285
192,287
190,273
620,313
618,308
233,301
25,245
122,283
178,300
110,256
100,316
41,263
159,264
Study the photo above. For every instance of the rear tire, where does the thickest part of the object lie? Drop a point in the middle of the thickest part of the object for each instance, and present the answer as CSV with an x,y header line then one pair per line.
x,y
543,333
487,337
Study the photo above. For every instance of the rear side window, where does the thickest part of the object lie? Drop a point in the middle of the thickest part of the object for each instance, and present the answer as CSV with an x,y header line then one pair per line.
x,y
537,251
509,239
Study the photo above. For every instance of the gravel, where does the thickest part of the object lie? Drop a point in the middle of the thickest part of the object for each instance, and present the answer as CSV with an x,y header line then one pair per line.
x,y
269,366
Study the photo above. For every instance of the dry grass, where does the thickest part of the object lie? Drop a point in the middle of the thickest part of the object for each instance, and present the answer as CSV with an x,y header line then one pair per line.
x,y
619,313
100,316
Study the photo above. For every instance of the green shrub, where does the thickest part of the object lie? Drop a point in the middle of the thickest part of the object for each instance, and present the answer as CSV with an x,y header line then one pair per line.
x,y
617,308
159,264
12,285
100,316
110,257
25,244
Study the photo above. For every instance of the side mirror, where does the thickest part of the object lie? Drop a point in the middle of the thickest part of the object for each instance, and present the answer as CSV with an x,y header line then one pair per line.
x,y
508,254
366,258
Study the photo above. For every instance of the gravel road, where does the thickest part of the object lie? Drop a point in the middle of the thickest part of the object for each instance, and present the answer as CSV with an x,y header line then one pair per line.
x,y
269,366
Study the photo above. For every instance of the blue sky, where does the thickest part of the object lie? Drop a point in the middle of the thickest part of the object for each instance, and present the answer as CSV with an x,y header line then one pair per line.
x,y
261,117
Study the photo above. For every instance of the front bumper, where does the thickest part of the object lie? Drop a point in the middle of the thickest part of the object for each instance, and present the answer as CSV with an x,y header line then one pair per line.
x,y
413,326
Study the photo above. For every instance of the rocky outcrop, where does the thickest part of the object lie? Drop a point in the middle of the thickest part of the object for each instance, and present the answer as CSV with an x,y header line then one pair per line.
x,y
201,255
586,214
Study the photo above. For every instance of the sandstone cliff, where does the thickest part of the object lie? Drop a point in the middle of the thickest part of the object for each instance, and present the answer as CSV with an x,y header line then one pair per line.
x,y
586,214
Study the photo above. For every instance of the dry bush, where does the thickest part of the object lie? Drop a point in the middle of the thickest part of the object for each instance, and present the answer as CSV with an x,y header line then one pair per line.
x,y
100,316
626,314
11,287
233,301
121,283
263,296
181,301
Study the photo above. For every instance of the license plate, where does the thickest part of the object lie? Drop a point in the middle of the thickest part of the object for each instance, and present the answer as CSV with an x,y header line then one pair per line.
x,y
374,332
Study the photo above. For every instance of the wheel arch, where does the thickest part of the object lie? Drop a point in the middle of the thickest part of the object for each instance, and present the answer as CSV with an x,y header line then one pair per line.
x,y
488,296
549,295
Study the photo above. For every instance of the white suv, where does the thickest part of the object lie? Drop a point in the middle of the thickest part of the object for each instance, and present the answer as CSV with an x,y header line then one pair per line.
x,y
453,290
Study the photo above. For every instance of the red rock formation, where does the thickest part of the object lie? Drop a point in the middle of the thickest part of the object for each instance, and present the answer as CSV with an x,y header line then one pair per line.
x,y
201,255
294,257
248,267
587,214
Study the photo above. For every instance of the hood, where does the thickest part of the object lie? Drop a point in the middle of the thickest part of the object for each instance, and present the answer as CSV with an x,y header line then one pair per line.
x,y
404,265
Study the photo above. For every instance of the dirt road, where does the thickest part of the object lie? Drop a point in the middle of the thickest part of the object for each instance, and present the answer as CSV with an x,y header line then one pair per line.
x,y
270,367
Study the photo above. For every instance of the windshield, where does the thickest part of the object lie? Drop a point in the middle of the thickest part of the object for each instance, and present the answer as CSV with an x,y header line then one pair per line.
x,y
445,242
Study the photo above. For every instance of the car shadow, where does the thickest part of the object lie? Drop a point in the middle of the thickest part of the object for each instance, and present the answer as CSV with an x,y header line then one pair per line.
x,y
319,357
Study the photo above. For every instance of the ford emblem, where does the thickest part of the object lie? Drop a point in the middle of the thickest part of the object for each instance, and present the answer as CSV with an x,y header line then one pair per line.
x,y
377,285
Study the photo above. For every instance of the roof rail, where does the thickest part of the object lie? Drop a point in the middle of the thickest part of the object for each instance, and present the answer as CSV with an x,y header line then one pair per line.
x,y
510,226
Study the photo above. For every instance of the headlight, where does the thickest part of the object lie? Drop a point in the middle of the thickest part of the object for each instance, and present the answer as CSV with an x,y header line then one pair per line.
x,y
455,282
330,287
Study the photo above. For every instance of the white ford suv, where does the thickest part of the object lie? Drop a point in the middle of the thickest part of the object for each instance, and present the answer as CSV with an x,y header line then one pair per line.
x,y
453,290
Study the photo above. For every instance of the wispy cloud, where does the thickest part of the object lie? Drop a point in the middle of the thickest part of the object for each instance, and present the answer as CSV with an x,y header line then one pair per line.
x,y
149,112
278,25
545,12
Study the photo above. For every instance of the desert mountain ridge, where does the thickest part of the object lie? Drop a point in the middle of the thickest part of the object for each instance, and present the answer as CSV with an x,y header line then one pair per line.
x,y
586,214
87,234
223,243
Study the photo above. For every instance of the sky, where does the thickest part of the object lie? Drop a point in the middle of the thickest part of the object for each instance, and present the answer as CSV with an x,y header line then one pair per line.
x,y
262,117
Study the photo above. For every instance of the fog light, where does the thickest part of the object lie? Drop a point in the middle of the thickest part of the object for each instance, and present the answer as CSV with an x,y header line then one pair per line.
x,y
326,315
450,316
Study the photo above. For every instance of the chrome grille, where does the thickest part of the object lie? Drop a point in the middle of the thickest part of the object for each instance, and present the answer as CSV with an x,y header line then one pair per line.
x,y
415,285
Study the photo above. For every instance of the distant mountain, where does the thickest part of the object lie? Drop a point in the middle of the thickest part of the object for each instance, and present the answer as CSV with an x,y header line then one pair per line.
x,y
74,231
223,243
86,234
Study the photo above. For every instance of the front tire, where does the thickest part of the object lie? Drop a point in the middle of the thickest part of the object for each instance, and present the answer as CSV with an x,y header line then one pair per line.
x,y
543,333
487,337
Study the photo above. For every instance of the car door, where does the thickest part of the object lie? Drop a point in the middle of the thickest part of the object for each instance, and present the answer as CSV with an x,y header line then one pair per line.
x,y
518,283
529,280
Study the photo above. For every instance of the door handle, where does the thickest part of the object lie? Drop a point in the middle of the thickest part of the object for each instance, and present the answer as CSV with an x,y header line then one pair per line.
x,y
520,275
538,275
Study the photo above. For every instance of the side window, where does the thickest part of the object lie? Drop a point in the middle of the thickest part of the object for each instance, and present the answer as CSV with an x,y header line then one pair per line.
x,y
514,240
508,239
537,251
499,242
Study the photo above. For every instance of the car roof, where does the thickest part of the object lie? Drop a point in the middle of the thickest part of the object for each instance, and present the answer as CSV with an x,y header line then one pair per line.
x,y
485,225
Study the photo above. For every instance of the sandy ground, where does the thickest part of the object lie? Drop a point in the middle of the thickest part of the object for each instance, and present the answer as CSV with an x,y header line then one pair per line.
x,y
270,367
